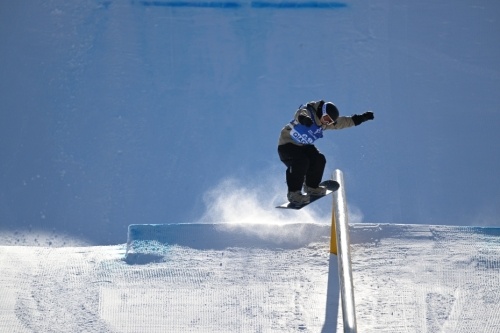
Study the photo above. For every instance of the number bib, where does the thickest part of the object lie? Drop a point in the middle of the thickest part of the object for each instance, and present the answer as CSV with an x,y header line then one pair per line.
x,y
303,134
306,135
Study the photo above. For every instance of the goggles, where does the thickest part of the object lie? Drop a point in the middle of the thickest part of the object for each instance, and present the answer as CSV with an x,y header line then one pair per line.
x,y
325,118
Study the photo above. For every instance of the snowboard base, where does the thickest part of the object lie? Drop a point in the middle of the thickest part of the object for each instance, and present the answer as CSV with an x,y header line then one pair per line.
x,y
330,185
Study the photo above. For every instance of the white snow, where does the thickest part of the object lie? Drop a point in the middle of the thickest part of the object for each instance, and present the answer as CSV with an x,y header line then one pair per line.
x,y
196,278
213,287
418,278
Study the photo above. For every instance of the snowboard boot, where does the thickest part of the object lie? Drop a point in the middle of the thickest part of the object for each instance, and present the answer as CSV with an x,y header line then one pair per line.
x,y
315,191
297,198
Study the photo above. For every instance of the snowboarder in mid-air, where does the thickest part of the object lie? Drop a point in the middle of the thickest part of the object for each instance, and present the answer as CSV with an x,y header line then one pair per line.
x,y
305,164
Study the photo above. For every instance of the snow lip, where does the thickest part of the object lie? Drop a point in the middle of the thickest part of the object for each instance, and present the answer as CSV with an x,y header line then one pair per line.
x,y
149,242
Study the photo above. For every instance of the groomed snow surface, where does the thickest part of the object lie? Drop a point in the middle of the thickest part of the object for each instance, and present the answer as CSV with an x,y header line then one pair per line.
x,y
256,278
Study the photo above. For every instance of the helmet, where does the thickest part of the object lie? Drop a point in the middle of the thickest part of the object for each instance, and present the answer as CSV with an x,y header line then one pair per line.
x,y
330,109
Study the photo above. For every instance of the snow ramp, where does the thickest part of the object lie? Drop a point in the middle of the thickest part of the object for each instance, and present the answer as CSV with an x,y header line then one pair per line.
x,y
143,237
281,278
175,278
233,277
256,278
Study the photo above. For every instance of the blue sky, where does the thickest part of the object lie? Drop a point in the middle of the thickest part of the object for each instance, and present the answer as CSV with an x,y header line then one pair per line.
x,y
124,112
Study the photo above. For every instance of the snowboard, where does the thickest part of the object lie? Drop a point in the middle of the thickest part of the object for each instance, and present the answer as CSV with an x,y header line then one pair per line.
x,y
330,185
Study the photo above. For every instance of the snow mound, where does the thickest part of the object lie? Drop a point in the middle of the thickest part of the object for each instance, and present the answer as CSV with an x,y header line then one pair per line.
x,y
256,278
149,242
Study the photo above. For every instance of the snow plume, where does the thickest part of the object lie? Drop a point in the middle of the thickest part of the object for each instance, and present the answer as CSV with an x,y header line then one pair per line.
x,y
233,201
355,214
239,205
250,210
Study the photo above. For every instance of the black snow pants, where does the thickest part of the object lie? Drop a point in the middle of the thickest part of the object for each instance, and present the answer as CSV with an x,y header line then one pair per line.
x,y
304,164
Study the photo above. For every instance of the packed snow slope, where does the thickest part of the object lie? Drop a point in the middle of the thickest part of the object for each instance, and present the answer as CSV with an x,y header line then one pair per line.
x,y
116,112
256,278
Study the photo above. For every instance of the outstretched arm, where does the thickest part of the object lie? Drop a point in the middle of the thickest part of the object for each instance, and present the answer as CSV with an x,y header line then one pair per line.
x,y
354,120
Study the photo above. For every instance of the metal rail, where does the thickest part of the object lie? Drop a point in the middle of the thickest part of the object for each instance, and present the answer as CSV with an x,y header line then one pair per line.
x,y
340,221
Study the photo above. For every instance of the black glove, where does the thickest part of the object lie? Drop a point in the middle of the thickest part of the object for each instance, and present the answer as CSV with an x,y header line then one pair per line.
x,y
361,118
305,120
368,115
